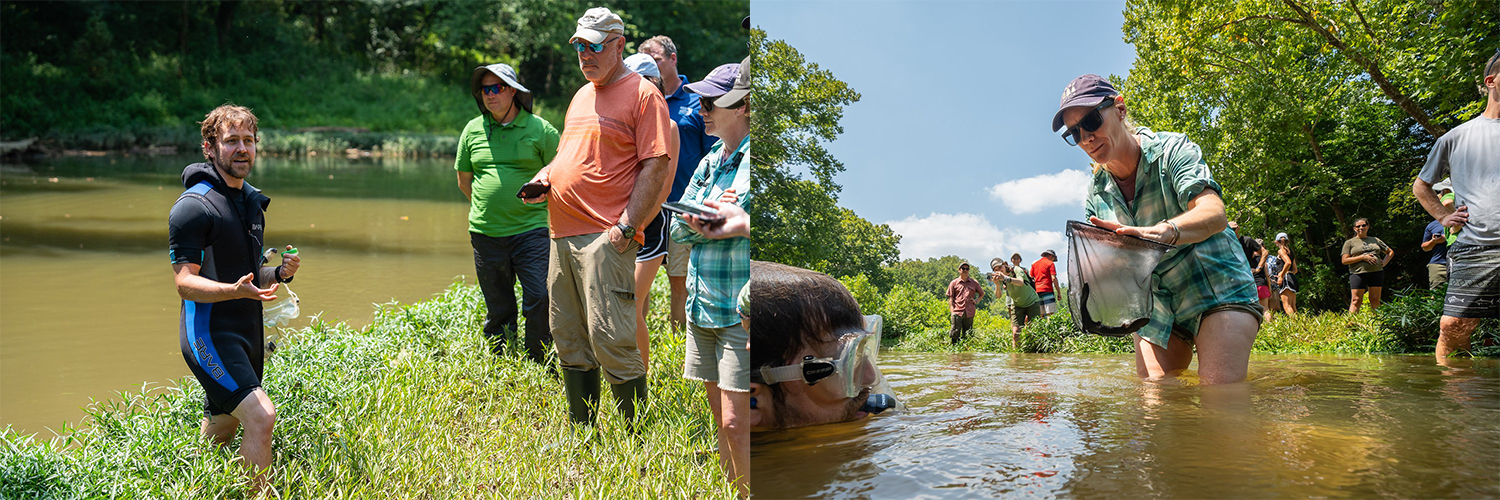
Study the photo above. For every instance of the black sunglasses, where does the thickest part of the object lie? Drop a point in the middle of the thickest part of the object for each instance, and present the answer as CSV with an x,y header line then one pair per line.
x,y
1090,122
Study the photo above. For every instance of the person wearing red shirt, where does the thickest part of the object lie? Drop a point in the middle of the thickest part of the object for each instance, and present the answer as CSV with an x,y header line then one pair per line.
x,y
1044,274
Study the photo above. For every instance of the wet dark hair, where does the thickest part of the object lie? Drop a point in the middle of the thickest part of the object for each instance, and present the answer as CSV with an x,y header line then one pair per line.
x,y
796,308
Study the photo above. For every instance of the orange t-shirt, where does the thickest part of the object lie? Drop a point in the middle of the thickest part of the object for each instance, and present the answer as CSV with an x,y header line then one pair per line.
x,y
609,130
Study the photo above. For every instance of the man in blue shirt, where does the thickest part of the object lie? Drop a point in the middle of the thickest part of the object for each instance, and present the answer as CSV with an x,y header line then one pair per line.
x,y
683,107
1434,240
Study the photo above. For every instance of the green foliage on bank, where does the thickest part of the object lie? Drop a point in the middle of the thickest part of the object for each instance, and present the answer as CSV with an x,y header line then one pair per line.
x,y
798,221
413,406
915,321
1312,114
112,75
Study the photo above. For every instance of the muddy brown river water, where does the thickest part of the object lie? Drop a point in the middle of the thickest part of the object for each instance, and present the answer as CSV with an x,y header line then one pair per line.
x,y
1078,426
87,304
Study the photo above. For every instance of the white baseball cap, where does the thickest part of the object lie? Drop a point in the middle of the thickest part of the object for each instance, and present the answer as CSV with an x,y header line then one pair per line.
x,y
596,25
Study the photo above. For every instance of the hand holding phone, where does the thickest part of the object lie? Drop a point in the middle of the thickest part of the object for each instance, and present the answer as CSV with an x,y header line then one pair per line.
x,y
533,190
703,213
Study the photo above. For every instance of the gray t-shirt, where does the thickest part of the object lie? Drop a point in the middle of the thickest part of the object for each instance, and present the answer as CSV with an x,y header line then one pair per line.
x,y
1470,153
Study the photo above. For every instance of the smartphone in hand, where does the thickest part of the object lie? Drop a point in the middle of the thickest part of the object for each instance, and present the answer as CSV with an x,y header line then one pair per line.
x,y
688,208
533,190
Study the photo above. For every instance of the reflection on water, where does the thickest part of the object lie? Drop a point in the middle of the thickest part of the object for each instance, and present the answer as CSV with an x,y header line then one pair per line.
x,y
87,304
1084,426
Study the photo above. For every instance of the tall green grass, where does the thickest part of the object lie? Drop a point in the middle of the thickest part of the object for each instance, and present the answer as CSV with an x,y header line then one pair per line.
x,y
413,406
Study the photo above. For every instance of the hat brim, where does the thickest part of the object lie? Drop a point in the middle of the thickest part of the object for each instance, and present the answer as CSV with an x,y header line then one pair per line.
x,y
705,89
1080,102
732,98
523,95
591,35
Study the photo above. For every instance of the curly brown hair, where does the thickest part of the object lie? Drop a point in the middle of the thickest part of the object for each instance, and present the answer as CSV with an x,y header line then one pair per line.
x,y
226,114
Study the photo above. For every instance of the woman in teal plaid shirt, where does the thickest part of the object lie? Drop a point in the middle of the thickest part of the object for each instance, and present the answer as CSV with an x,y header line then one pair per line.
x,y
1155,185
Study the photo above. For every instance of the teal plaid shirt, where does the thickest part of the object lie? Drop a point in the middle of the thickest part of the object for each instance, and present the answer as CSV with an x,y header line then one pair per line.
x,y
717,269
1192,278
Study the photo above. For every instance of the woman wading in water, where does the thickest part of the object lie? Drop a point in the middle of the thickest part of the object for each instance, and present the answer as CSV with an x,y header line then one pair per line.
x,y
1155,185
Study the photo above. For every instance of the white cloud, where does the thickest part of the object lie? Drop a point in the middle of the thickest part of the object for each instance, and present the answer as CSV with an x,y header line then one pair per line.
x,y
973,238
1033,194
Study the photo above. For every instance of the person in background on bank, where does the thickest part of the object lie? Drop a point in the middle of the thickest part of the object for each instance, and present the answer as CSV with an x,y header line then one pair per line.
x,y
1470,153
683,107
1204,295
498,151
1366,257
1026,306
1283,269
648,259
604,185
717,343
1435,240
1044,274
1256,254
215,234
964,294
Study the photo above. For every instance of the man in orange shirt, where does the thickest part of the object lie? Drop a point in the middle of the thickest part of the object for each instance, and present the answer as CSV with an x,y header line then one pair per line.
x,y
609,178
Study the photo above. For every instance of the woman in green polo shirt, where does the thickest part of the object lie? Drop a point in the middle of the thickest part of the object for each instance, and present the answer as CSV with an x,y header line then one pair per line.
x,y
1155,185
498,151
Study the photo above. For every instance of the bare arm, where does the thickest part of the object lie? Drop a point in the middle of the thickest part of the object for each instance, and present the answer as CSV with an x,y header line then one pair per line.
x,y
648,188
1263,253
466,184
1454,219
194,287
1204,218
1350,259
1286,265
1390,253
1430,244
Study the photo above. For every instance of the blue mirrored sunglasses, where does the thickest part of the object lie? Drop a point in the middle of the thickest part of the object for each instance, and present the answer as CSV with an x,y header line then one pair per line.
x,y
592,47
494,89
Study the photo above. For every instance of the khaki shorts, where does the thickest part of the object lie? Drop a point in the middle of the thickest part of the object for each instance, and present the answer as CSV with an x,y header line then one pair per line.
x,y
592,306
718,355
1437,275
677,258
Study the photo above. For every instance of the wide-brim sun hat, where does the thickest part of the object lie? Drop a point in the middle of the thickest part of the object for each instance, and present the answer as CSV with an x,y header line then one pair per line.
x,y
507,74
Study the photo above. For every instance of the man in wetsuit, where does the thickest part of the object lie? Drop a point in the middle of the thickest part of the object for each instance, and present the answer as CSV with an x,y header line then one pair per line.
x,y
215,233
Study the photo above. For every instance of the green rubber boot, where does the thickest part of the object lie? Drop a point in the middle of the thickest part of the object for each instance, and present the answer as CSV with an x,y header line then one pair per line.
x,y
583,394
628,395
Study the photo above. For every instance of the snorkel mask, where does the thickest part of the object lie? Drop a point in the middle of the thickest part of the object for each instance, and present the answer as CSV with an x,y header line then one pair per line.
x,y
848,374
1109,278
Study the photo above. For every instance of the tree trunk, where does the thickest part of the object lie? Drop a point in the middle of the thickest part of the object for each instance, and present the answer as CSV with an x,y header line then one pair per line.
x,y
1372,69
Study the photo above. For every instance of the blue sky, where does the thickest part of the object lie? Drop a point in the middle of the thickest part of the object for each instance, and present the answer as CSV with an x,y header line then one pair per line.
x,y
951,141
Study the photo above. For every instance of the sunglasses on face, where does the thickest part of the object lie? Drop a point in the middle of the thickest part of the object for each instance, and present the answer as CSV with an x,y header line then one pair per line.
x,y
592,47
1090,122
1360,226
494,89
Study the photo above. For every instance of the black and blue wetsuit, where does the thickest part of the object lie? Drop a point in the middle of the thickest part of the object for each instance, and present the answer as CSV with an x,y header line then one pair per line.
x,y
221,229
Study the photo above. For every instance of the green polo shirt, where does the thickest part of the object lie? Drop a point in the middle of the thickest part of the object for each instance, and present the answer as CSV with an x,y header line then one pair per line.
x,y
502,158
1192,278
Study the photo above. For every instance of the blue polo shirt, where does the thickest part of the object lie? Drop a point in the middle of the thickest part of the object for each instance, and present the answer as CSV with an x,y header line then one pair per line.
x,y
1439,252
683,106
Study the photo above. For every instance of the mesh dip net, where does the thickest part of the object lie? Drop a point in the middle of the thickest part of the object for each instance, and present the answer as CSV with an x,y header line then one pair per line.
x,y
1109,279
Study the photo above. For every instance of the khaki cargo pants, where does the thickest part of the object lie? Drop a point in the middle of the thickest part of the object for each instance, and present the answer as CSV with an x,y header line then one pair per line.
x,y
592,306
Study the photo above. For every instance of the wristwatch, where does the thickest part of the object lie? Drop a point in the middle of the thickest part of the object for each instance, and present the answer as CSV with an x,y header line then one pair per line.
x,y
625,229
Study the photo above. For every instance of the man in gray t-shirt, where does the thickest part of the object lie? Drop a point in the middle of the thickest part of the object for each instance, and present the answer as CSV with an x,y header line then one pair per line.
x,y
1470,154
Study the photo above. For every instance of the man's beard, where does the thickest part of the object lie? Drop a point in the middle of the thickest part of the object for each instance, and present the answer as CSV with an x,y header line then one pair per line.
x,y
227,166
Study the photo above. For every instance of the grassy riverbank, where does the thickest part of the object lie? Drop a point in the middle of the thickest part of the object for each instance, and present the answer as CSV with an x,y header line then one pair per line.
x,y
1406,325
412,406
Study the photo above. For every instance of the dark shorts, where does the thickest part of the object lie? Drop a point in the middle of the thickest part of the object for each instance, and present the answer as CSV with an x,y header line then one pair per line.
x,y
657,236
228,365
1473,282
1024,315
1362,281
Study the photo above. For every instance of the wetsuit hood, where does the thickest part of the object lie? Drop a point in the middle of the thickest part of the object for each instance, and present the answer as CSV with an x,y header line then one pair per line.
x,y
205,172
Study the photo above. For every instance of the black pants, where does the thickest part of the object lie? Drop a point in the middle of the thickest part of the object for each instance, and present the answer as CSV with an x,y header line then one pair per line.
x,y
499,263
961,328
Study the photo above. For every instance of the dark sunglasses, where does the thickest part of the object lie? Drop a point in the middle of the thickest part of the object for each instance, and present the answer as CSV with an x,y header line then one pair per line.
x,y
708,103
494,89
1357,226
1090,122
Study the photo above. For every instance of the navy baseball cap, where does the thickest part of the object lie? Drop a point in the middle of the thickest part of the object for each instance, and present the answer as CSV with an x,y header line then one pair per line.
x,y
1085,91
718,82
